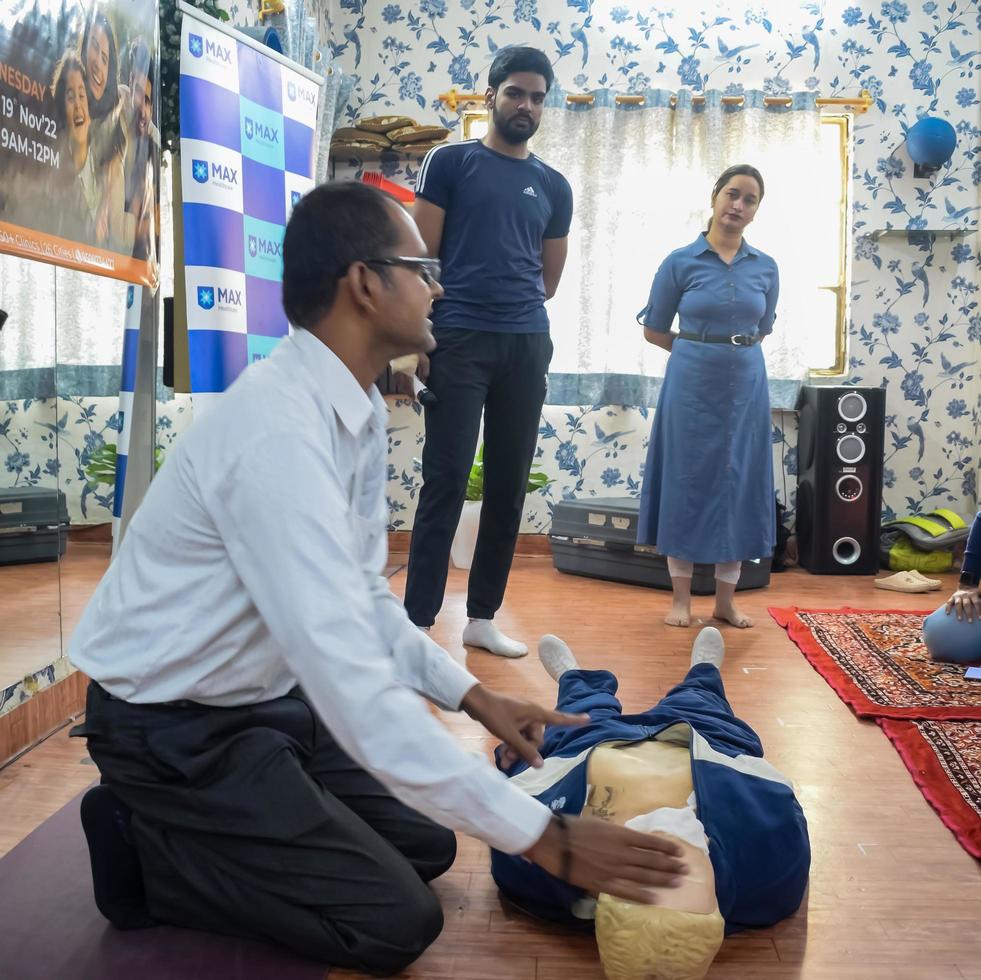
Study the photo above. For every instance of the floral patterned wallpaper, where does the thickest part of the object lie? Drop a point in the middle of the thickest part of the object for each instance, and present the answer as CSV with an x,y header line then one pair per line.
x,y
915,323
48,442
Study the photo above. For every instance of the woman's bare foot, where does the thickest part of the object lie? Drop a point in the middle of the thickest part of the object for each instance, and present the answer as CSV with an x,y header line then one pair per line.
x,y
680,615
730,614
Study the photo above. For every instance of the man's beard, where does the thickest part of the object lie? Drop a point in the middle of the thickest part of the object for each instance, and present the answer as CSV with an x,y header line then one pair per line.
x,y
511,133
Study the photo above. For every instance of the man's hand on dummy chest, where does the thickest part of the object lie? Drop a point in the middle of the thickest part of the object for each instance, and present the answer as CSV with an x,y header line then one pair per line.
x,y
519,724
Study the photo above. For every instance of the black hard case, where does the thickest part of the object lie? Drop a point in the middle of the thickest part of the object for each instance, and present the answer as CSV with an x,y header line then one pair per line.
x,y
597,537
33,524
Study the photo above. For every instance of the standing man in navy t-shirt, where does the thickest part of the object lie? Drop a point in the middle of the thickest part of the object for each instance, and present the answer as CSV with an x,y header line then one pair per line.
x,y
498,219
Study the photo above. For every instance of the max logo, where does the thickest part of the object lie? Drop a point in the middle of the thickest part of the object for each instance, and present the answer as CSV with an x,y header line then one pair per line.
x,y
208,296
198,47
130,296
228,175
264,247
218,51
260,131
218,171
294,92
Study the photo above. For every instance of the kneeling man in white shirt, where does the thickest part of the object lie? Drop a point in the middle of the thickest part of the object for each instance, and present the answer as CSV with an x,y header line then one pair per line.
x,y
269,766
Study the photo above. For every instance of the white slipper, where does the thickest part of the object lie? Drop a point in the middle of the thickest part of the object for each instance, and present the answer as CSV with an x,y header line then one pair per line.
x,y
934,583
903,582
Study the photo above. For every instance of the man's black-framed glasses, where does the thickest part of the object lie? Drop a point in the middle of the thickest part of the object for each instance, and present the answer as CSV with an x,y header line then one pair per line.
x,y
429,269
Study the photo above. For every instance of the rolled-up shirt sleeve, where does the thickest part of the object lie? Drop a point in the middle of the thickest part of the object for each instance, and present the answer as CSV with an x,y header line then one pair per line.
x,y
300,565
662,304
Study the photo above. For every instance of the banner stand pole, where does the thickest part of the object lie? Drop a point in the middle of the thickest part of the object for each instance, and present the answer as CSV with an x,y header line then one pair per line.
x,y
140,465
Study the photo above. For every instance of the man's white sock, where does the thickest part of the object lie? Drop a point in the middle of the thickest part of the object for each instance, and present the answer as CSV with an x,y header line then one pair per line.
x,y
484,634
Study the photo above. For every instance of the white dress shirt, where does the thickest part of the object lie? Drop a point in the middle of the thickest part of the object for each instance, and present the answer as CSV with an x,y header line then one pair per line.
x,y
255,562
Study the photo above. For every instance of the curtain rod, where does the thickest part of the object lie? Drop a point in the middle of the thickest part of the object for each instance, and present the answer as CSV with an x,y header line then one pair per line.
x,y
453,99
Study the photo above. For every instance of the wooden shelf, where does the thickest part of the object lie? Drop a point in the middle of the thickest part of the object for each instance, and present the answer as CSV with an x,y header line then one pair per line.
x,y
362,154
918,234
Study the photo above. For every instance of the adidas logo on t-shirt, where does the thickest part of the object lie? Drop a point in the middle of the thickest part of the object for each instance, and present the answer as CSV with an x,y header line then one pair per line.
x,y
530,191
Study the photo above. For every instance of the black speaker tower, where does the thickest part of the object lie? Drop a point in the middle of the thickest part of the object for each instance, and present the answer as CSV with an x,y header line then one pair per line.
x,y
840,441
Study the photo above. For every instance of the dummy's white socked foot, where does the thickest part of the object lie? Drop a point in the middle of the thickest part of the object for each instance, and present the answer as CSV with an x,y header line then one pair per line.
x,y
484,634
556,657
709,648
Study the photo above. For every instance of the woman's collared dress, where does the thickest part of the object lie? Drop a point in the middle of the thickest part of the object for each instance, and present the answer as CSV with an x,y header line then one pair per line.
x,y
708,483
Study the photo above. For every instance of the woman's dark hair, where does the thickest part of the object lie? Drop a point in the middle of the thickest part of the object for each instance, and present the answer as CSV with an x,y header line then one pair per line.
x,y
100,108
330,228
510,61
739,170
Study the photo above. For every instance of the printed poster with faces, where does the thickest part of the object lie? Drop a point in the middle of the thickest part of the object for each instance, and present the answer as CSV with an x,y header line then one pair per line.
x,y
79,140
248,119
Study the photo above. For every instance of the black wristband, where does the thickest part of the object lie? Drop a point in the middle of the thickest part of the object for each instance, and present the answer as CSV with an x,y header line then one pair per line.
x,y
969,580
565,863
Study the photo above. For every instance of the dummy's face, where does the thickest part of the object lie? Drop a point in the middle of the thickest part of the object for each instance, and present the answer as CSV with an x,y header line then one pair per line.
x,y
97,61
517,105
735,205
406,300
76,107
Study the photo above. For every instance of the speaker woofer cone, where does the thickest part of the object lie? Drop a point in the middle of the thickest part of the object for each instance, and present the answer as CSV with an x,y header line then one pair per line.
x,y
850,449
852,407
846,551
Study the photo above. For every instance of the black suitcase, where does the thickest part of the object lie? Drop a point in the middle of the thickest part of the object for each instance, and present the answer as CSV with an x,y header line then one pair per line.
x,y
33,524
597,537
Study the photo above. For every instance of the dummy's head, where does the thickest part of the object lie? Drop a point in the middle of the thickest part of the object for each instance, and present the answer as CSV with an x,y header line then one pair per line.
x,y
651,942
351,252
736,196
518,81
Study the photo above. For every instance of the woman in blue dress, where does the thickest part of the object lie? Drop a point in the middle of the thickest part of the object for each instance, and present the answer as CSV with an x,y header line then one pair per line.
x,y
708,483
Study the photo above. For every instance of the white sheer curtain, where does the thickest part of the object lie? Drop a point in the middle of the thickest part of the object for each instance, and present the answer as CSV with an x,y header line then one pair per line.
x,y
642,178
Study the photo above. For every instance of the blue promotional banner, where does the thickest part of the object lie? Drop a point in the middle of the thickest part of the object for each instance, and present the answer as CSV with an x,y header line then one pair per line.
x,y
248,119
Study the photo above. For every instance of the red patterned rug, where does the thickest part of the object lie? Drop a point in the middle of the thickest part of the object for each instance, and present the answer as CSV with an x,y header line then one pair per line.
x,y
944,759
877,664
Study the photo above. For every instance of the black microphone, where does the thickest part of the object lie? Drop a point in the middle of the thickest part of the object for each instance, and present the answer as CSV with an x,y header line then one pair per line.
x,y
425,396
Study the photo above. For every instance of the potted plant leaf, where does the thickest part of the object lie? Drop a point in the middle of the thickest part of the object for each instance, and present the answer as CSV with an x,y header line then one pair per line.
x,y
101,467
465,539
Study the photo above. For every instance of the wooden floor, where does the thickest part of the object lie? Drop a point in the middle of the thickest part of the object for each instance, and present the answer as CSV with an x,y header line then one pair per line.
x,y
40,604
892,895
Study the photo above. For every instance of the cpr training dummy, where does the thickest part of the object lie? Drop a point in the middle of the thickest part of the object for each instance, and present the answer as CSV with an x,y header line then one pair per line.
x,y
689,769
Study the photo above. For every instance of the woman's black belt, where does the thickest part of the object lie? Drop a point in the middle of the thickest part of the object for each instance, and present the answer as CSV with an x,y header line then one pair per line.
x,y
737,339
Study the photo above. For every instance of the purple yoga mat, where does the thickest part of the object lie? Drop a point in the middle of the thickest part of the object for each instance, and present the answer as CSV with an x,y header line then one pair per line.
x,y
50,927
